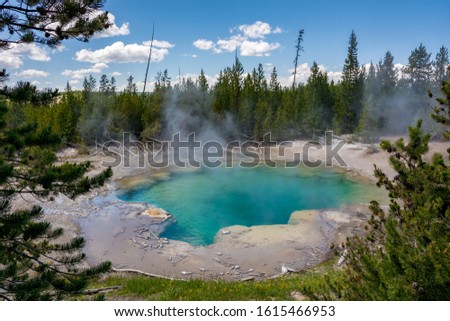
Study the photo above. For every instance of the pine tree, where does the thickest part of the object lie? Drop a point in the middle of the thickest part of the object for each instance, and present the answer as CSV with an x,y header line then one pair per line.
x,y
88,87
3,76
202,82
112,83
222,93
349,106
441,113
318,101
247,116
274,94
68,111
104,84
440,65
50,22
131,85
405,253
387,74
236,82
33,266
368,122
419,70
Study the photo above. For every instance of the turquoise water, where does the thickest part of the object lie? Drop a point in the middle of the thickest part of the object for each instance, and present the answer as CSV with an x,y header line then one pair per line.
x,y
206,200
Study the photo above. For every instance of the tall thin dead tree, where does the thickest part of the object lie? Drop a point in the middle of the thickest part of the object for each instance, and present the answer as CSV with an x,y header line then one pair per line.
x,y
298,48
149,58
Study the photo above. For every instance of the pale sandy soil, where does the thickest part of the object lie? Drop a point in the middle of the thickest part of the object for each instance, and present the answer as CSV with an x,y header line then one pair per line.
x,y
238,252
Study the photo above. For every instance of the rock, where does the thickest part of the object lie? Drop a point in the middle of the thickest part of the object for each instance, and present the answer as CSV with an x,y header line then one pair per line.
x,y
297,296
203,269
186,273
342,258
251,270
157,213
221,273
237,267
219,253
225,232
284,269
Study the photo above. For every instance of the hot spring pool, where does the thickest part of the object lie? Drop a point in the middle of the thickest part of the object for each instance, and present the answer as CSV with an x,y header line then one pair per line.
x,y
206,200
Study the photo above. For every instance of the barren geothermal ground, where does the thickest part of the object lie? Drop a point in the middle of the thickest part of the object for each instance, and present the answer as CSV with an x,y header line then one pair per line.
x,y
123,233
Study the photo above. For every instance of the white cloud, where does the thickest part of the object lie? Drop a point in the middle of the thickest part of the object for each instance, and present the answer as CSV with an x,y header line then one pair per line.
x,y
31,73
159,44
120,53
277,30
81,73
35,83
13,57
116,73
258,30
204,44
303,72
399,67
113,30
58,48
190,55
258,48
231,43
334,75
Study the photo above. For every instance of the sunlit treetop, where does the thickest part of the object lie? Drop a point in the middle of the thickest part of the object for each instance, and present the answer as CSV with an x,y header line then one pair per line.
x,y
49,22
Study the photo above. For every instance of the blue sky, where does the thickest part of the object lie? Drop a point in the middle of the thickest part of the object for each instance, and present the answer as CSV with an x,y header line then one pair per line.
x,y
199,34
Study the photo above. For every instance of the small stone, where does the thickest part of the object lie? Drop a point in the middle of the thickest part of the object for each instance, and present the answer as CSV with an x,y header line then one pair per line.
x,y
219,253
297,296
237,267
203,269
186,273
225,232
221,273
251,270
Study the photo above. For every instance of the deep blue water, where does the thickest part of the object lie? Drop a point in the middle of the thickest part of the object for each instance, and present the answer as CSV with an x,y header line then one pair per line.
x,y
206,200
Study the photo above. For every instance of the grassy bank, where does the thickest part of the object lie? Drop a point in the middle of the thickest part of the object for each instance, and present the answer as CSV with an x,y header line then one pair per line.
x,y
290,287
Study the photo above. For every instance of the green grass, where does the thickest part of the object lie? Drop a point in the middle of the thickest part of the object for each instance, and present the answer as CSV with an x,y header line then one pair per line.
x,y
280,289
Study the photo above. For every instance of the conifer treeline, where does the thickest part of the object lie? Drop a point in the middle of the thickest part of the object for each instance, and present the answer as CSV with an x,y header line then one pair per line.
x,y
384,99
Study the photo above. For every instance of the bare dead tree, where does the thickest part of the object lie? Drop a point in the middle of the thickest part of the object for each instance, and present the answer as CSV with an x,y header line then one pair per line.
x,y
149,58
298,48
